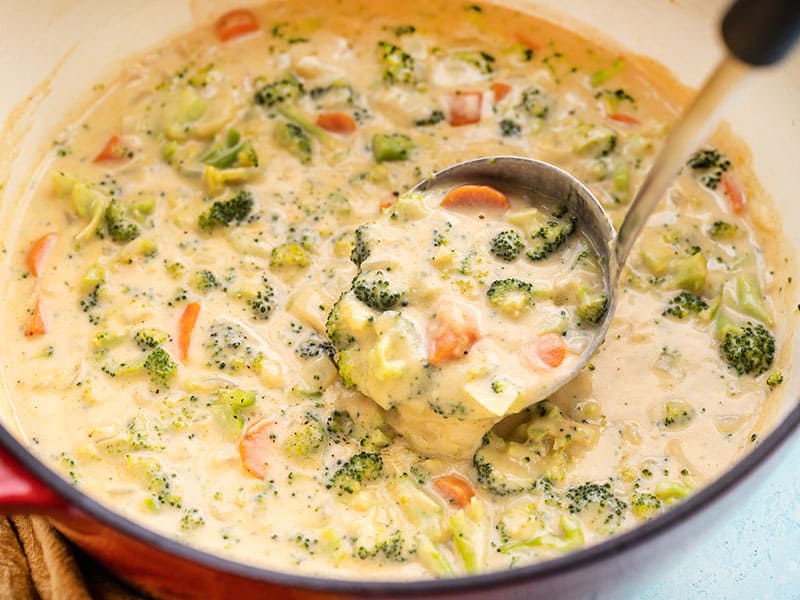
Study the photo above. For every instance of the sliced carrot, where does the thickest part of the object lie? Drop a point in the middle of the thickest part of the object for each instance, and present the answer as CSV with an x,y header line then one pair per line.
x,y
387,202
475,196
464,108
38,253
254,447
526,41
35,324
185,328
501,90
623,118
337,122
734,192
113,151
551,349
236,23
452,332
454,489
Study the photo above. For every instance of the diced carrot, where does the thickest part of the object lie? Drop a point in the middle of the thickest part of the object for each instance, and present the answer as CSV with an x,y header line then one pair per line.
x,y
527,41
38,253
35,324
236,23
464,108
475,196
550,349
501,90
113,151
452,332
254,447
624,118
337,122
185,328
454,489
387,202
734,192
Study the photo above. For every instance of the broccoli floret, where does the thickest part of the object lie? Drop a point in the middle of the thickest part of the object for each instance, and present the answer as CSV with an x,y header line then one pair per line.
x,y
511,295
375,291
509,128
774,380
483,61
592,307
159,367
306,439
387,147
340,425
226,212
295,140
290,254
362,467
150,338
506,245
204,280
683,304
600,500
229,348
645,506
723,230
338,335
708,165
398,65
278,92
361,250
264,302
313,347
749,350
533,103
233,153
119,228
550,237
436,116
493,480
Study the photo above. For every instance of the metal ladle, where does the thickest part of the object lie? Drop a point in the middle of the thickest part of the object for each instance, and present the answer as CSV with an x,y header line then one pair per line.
x,y
756,33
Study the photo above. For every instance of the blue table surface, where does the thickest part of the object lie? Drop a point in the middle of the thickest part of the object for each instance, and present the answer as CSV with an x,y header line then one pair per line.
x,y
754,554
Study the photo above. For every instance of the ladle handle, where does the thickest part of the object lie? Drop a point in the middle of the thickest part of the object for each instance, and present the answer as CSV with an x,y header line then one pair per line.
x,y
761,32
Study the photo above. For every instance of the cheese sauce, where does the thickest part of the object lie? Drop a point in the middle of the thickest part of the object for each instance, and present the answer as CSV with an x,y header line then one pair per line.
x,y
187,239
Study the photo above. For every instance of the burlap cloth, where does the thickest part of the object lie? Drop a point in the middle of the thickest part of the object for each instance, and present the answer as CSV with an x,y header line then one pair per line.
x,y
36,562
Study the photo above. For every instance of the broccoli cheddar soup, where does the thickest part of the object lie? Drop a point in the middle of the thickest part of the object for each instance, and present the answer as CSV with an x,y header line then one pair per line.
x,y
225,317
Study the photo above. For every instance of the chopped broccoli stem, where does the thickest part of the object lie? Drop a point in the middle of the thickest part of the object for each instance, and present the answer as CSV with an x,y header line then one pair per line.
x,y
387,147
361,468
295,140
375,291
290,254
749,350
398,65
237,399
278,92
506,245
119,228
226,212
234,152
684,304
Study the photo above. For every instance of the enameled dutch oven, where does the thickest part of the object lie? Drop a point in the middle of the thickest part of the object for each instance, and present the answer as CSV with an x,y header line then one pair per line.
x,y
51,50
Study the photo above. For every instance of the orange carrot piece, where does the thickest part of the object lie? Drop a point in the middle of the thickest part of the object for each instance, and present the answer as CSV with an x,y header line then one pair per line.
x,y
35,324
452,332
454,489
337,122
254,447
624,118
551,349
527,41
734,192
236,23
39,252
185,328
113,151
475,196
464,108
501,90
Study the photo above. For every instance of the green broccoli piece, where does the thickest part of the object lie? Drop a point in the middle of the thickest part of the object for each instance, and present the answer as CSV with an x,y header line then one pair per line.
x,y
225,212
435,117
483,61
509,128
119,228
645,506
306,439
774,380
722,230
295,140
398,65
290,254
511,295
204,280
375,291
313,347
160,367
683,304
264,302
506,245
340,425
708,165
387,147
362,467
748,350
234,152
551,236
360,251
598,499
533,103
591,307
229,348
338,335
288,89
150,338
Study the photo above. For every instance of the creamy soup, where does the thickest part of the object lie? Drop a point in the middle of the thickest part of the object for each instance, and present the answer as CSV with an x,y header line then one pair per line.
x,y
192,244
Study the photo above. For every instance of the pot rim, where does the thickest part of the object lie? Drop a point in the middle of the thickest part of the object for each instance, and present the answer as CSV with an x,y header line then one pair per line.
x,y
615,545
